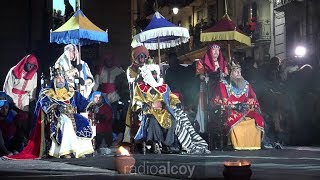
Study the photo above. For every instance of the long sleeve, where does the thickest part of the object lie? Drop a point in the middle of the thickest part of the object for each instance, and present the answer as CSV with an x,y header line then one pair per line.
x,y
88,75
34,90
137,100
105,112
80,101
97,82
221,95
88,72
223,90
251,93
252,98
46,103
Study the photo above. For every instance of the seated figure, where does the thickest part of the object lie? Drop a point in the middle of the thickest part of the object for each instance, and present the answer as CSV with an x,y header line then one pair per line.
x,y
11,132
244,124
163,122
59,130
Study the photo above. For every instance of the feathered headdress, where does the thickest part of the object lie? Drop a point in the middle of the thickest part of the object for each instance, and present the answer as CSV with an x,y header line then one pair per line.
x,y
146,73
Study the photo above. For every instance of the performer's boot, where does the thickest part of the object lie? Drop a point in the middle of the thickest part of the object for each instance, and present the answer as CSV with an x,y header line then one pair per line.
x,y
156,148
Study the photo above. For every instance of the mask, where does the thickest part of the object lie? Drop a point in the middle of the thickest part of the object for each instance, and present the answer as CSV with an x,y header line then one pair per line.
x,y
142,58
154,74
28,67
108,63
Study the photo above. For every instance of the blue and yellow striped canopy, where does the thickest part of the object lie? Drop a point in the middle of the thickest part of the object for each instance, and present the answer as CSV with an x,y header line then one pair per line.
x,y
78,30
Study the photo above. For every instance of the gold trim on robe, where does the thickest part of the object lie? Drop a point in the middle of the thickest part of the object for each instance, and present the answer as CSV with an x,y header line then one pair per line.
x,y
143,95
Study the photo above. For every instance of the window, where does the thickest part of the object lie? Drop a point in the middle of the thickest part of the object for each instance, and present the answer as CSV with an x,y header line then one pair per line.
x,y
199,15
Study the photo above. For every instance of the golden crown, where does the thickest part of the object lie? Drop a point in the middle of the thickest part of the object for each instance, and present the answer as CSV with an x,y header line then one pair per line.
x,y
56,70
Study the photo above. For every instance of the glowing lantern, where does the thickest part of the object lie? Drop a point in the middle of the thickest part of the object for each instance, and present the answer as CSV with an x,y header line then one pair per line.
x,y
124,161
239,170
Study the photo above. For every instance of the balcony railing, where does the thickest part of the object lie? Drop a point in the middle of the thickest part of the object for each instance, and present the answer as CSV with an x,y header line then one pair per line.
x,y
279,3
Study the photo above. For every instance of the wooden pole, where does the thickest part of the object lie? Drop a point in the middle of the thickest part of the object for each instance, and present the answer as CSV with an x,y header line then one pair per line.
x,y
78,75
225,7
250,11
78,4
79,51
159,51
229,51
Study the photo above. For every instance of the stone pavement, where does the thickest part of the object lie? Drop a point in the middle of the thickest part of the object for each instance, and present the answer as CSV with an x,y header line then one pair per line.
x,y
291,162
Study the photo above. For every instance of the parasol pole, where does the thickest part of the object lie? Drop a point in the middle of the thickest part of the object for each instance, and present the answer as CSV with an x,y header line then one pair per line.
x,y
79,46
79,51
225,7
229,52
156,8
250,11
159,51
78,4
226,13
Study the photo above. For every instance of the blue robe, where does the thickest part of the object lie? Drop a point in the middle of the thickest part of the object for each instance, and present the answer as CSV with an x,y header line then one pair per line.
x,y
79,102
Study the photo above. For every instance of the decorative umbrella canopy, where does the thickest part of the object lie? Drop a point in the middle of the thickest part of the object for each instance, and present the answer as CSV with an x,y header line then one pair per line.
x,y
161,34
225,29
78,30
226,32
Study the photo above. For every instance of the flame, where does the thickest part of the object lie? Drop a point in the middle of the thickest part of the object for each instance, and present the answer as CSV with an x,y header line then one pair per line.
x,y
237,163
123,151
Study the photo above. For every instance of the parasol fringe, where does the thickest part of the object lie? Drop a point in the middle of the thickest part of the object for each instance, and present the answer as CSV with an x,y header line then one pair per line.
x,y
150,37
154,46
84,37
162,32
225,35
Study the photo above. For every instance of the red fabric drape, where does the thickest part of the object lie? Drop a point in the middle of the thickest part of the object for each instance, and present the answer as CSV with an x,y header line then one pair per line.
x,y
19,68
33,148
209,62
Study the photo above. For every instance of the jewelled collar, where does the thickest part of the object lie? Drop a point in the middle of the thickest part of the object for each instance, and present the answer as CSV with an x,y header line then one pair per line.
x,y
235,91
60,94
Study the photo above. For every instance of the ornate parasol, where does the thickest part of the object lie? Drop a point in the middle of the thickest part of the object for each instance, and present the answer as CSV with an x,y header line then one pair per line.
x,y
78,30
226,32
161,34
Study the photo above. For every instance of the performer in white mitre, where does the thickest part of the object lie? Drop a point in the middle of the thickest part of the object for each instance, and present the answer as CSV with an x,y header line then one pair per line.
x,y
77,71
21,82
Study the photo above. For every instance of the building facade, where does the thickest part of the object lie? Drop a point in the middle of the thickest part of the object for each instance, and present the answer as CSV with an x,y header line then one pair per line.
x,y
198,15
296,23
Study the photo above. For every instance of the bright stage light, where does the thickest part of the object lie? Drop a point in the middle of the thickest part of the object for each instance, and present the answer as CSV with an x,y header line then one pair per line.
x,y
300,51
175,10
